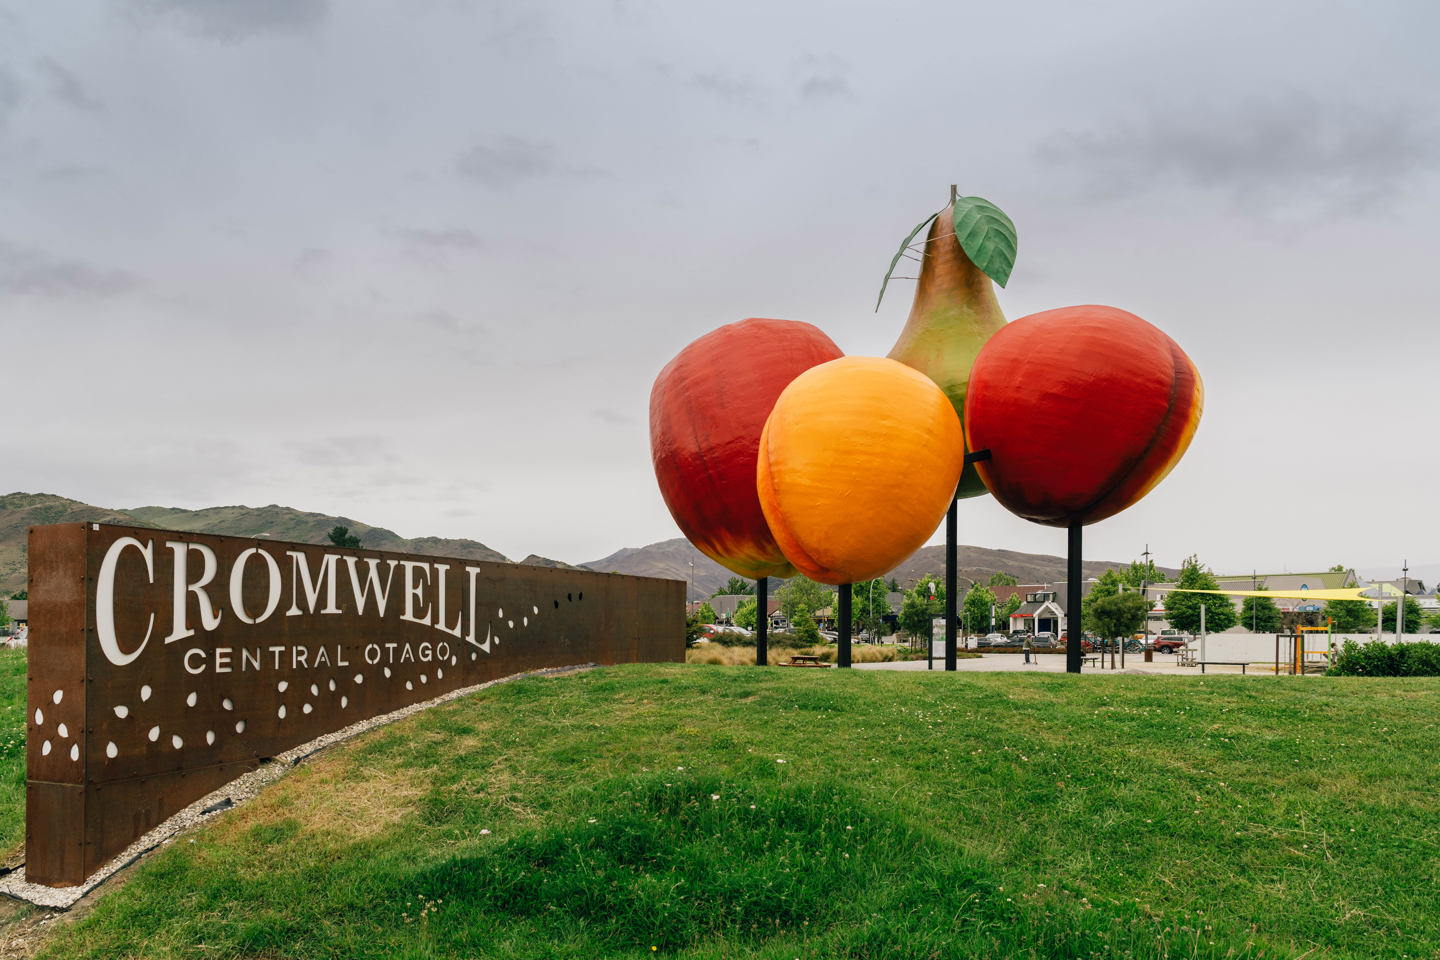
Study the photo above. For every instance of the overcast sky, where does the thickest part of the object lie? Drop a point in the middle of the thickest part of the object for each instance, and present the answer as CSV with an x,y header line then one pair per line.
x,y
419,263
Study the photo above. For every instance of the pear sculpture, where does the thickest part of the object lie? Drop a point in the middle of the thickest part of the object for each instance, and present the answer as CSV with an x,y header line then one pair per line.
x,y
955,311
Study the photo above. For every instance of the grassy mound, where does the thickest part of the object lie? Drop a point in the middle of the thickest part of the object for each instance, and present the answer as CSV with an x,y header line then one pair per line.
x,y
712,812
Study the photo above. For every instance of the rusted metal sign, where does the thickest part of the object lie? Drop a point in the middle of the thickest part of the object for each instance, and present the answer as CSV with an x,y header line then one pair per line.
x,y
162,664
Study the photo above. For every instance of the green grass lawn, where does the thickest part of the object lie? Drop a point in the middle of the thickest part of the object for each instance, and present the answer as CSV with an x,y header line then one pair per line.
x,y
711,812
12,751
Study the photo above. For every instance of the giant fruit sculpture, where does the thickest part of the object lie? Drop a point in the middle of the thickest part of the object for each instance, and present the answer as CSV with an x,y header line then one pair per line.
x,y
707,410
1083,409
775,453
955,311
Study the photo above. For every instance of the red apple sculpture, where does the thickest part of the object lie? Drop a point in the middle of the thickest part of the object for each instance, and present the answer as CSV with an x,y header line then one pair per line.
x,y
707,410
1083,409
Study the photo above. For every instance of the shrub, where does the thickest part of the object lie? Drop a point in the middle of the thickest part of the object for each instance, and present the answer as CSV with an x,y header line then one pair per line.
x,y
1380,659
806,631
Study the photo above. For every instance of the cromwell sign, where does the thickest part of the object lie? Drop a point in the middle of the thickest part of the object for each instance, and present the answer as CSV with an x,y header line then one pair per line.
x,y
163,665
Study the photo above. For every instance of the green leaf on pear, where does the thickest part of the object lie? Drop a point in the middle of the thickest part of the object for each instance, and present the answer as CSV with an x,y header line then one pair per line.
x,y
901,252
987,236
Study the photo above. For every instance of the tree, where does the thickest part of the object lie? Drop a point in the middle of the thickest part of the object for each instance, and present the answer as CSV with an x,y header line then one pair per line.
x,y
800,598
1259,615
892,585
920,607
1118,615
1183,609
932,587
868,605
1002,616
5,613
1350,616
1140,574
916,617
341,537
1413,616
706,613
694,626
1106,585
736,587
20,595
747,614
1001,579
976,612
1339,568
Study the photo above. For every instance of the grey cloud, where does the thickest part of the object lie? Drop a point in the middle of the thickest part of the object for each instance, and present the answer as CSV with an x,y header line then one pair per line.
x,y
824,78
25,271
738,90
74,172
10,94
66,87
448,322
311,262
341,451
454,238
611,416
1277,157
236,20
511,160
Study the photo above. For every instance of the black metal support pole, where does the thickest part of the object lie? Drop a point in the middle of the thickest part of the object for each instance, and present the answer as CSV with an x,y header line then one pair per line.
x,y
951,600
842,656
762,619
1074,655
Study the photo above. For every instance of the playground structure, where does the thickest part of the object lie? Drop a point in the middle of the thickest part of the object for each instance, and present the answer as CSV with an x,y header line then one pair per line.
x,y
1299,660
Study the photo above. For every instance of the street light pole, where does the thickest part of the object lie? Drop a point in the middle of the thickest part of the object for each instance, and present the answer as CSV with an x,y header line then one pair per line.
x,y
1400,603
870,612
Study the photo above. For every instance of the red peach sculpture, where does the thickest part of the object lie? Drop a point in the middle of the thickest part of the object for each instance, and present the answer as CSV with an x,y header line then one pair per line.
x,y
1083,409
707,410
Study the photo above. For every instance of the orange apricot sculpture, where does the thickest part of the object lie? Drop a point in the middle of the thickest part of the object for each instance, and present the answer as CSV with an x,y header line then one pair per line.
x,y
858,463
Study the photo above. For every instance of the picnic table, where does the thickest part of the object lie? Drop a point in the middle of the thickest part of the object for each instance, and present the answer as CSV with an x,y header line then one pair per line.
x,y
804,660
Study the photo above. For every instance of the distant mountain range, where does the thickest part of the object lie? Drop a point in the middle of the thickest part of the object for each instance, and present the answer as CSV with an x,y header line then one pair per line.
x,y
678,560
670,559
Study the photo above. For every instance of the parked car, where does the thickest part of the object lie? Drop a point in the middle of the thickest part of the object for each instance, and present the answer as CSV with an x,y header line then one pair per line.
x,y
1087,642
1169,643
994,640
1044,638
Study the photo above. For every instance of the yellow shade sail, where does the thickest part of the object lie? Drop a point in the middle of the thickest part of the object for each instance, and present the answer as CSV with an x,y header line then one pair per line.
x,y
1348,593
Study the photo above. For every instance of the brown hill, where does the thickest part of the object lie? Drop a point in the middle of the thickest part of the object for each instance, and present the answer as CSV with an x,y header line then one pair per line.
x,y
20,511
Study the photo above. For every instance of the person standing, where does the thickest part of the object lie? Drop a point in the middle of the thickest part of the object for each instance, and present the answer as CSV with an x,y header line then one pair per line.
x,y
1026,647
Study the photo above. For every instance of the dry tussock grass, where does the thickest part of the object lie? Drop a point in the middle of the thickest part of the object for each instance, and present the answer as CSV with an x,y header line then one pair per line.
x,y
328,798
721,656
714,653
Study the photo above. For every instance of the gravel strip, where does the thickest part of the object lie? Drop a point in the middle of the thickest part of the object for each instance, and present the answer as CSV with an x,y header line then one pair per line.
x,y
235,792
